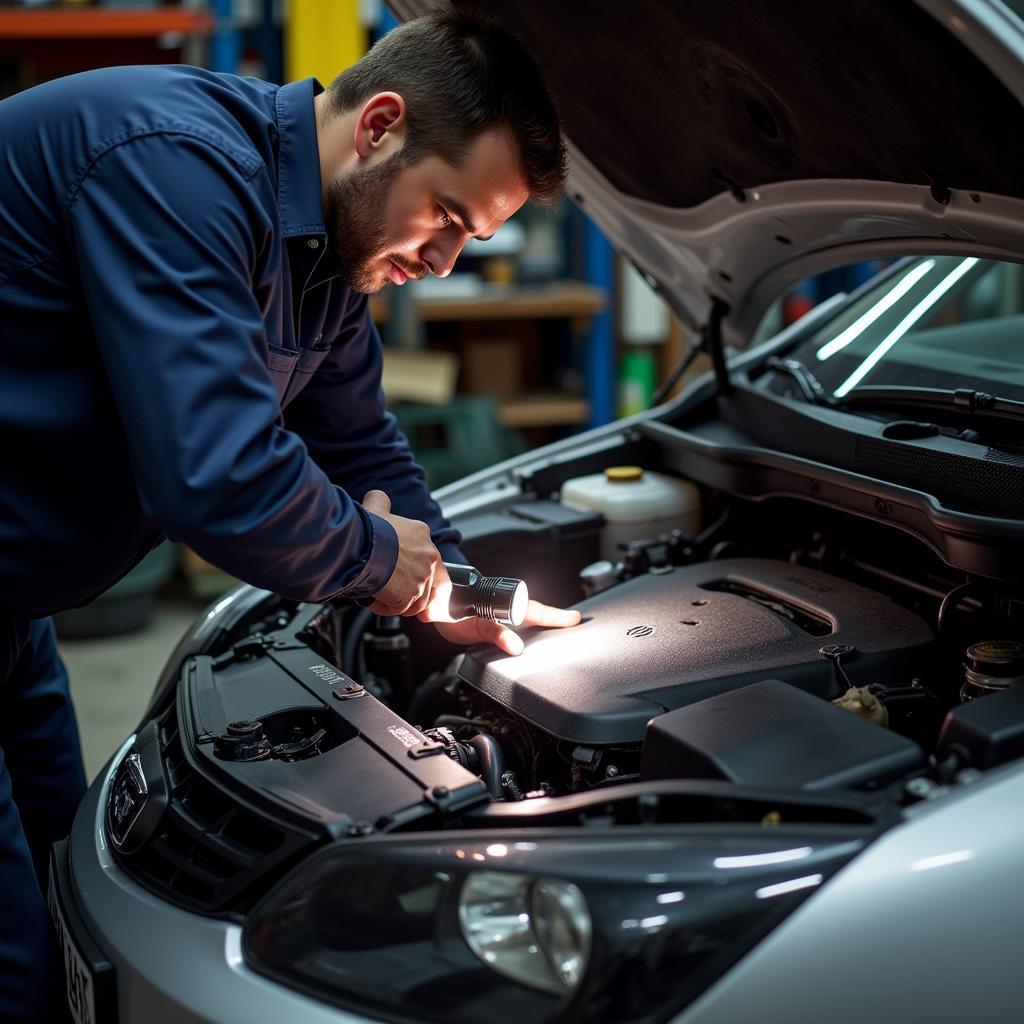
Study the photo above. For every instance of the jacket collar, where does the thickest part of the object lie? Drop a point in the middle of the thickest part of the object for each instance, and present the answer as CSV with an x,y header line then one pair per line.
x,y
299,196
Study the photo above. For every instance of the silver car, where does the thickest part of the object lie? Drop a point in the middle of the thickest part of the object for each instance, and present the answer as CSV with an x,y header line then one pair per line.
x,y
776,774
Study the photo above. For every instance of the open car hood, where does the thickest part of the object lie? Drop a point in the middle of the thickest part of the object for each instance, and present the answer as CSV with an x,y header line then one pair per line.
x,y
732,147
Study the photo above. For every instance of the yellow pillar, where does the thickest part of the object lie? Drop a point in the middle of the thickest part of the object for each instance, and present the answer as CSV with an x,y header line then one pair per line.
x,y
322,37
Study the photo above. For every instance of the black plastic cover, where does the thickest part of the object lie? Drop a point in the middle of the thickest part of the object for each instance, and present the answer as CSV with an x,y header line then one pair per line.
x,y
533,540
373,766
214,830
987,731
772,734
664,641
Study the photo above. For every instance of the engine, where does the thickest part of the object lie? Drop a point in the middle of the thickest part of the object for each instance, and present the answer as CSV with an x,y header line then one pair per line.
x,y
667,640
722,669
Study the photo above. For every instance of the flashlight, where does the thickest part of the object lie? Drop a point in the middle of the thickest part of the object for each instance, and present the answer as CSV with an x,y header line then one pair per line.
x,y
498,598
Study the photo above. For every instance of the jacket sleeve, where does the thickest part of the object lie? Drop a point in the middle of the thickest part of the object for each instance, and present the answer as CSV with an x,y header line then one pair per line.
x,y
168,232
342,417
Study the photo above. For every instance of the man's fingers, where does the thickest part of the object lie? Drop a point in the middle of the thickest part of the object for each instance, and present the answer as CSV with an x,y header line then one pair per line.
x,y
509,642
376,501
419,603
438,607
481,631
538,614
487,632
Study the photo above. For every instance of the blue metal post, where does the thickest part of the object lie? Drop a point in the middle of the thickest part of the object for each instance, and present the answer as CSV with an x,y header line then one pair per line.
x,y
599,270
268,41
387,22
861,272
226,42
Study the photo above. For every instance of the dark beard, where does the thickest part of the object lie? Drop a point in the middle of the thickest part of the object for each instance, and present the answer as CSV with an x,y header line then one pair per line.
x,y
355,215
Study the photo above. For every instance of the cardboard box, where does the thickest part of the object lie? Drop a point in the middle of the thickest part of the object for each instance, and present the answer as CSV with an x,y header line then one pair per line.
x,y
419,375
492,366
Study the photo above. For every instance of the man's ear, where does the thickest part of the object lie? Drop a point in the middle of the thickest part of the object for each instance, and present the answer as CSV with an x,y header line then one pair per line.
x,y
381,123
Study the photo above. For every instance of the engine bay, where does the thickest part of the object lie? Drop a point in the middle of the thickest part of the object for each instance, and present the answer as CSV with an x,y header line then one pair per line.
x,y
835,672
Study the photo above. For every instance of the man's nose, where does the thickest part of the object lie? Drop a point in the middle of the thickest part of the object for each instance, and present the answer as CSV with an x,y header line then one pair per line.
x,y
440,255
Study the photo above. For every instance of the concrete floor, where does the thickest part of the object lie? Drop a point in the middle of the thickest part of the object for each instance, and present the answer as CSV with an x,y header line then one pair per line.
x,y
112,678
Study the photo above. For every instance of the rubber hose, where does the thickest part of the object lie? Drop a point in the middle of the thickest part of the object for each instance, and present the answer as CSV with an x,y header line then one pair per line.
x,y
422,707
353,638
492,762
950,603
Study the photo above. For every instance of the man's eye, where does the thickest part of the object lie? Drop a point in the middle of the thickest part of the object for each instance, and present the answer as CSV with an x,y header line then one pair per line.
x,y
443,216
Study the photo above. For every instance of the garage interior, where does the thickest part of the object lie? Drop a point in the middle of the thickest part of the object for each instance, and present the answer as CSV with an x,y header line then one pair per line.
x,y
786,716
539,333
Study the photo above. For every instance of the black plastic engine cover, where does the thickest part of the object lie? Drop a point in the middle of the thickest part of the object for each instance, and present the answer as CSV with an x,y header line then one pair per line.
x,y
660,642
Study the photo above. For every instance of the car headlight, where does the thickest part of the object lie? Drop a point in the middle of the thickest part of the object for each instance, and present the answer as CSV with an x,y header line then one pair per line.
x,y
538,926
534,930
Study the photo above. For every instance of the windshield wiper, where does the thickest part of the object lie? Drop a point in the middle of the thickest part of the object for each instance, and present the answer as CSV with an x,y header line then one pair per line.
x,y
962,402
811,389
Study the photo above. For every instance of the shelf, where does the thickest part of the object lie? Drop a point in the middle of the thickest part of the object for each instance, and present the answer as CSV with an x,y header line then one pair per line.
x,y
102,23
570,299
544,410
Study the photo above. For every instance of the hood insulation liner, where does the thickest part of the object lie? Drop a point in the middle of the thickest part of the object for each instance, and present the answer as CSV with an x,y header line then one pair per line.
x,y
675,102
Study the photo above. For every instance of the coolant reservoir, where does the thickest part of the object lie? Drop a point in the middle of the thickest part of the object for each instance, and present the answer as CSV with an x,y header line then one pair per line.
x,y
636,503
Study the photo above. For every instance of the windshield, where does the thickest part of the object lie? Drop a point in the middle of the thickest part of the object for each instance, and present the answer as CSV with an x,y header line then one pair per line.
x,y
937,321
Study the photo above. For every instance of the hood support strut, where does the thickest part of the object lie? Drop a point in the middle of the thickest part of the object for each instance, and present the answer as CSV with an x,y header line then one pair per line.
x,y
710,343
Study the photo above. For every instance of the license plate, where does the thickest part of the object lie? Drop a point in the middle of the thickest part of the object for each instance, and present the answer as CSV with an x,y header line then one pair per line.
x,y
81,991
88,975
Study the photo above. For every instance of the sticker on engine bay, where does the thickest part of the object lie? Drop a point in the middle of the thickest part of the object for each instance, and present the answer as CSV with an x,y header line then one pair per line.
x,y
326,673
405,736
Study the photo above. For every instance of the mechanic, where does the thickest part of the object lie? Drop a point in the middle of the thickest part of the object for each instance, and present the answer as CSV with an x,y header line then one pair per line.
x,y
186,351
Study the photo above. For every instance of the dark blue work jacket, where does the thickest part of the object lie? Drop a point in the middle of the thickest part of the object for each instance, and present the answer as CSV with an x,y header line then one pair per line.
x,y
177,354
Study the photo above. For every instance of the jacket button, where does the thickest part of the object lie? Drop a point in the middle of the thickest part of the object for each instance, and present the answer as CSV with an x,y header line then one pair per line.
x,y
313,243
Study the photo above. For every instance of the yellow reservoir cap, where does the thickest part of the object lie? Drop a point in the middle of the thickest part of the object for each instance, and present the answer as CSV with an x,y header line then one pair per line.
x,y
623,474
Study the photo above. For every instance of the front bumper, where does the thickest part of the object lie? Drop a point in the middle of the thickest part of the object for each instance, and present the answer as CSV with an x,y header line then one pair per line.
x,y
170,966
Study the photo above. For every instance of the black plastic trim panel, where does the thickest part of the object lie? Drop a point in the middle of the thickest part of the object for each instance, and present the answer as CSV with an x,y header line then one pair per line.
x,y
961,475
980,544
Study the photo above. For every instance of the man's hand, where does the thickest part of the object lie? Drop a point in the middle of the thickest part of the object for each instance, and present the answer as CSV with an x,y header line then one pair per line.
x,y
419,571
483,631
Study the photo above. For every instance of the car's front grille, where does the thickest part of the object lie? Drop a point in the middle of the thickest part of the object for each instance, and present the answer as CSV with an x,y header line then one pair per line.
x,y
209,853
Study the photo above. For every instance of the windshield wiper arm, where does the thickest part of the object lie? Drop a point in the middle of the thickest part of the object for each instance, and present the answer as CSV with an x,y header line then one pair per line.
x,y
811,389
963,401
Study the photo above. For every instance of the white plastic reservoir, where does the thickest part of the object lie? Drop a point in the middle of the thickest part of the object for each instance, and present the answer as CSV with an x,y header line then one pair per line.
x,y
636,504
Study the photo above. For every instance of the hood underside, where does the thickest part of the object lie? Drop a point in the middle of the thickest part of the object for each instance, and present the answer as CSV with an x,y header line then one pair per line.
x,y
686,120
675,102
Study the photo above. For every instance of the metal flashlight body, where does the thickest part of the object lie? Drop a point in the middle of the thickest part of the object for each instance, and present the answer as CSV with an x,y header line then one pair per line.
x,y
498,598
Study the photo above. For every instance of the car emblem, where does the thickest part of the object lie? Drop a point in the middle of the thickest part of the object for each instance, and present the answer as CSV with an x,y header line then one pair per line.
x,y
126,800
640,631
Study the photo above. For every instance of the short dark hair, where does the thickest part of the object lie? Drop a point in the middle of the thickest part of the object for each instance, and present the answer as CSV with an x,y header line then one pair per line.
x,y
460,73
